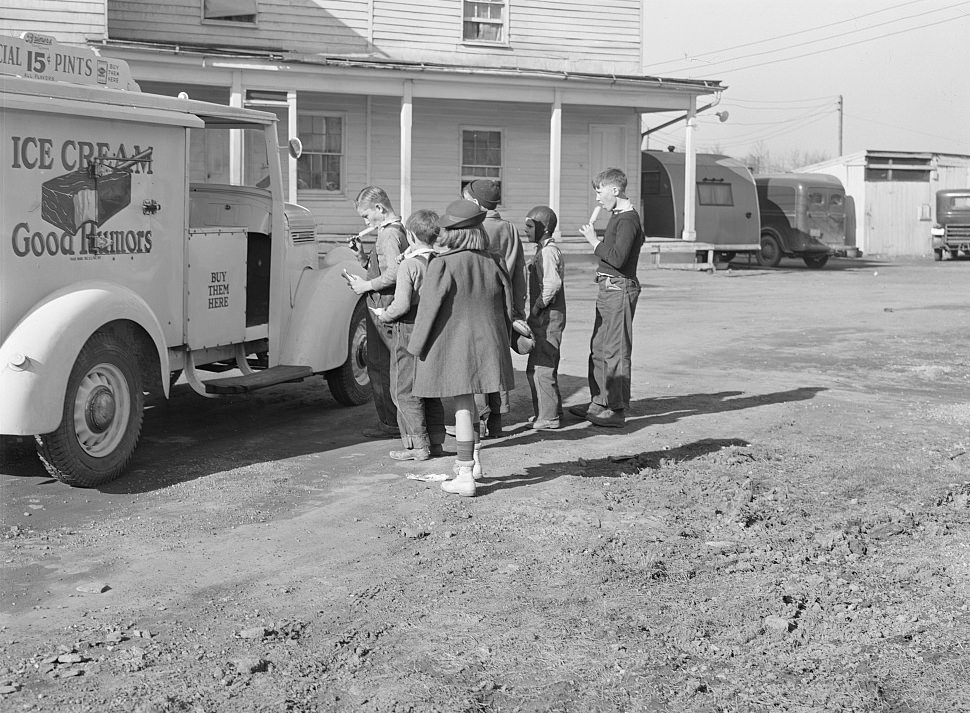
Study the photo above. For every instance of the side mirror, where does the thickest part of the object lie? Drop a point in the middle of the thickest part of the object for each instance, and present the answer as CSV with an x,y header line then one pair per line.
x,y
296,148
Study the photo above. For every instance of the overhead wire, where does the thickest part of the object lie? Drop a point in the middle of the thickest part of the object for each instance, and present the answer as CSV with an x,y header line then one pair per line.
x,y
792,34
829,49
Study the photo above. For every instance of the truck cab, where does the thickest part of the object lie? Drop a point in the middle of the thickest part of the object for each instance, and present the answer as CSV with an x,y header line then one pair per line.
x,y
951,232
139,247
802,215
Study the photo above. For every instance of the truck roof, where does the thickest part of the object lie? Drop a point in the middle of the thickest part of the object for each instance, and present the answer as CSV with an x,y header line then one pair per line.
x,y
38,92
799,179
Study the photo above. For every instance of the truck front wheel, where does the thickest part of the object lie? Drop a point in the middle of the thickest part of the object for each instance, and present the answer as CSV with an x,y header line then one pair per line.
x,y
101,422
770,253
350,382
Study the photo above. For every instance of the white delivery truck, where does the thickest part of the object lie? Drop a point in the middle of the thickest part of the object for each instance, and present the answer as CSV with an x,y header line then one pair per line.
x,y
136,248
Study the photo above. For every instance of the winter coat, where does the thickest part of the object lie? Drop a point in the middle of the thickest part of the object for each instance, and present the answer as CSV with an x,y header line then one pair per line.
x,y
461,332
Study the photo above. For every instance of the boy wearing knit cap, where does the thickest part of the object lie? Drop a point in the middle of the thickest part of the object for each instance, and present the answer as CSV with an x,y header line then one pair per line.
x,y
547,318
503,241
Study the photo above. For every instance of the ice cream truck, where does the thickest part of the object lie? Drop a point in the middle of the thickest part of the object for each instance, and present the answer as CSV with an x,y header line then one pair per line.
x,y
135,249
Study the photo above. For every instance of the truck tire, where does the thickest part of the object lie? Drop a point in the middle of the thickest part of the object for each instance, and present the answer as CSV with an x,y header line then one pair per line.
x,y
937,255
770,253
101,422
350,382
816,262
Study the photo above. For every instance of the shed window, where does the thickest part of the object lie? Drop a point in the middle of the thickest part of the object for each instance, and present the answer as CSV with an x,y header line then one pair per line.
x,y
898,169
321,165
481,155
715,194
241,11
484,21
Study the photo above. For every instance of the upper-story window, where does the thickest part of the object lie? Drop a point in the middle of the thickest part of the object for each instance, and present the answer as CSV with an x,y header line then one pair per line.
x,y
485,21
236,11
321,165
481,155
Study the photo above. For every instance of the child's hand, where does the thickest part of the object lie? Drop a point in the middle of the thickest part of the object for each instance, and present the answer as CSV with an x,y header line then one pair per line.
x,y
589,232
358,285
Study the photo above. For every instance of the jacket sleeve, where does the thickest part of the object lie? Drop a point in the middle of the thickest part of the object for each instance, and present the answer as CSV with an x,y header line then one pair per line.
x,y
388,249
616,251
518,280
403,292
433,290
551,275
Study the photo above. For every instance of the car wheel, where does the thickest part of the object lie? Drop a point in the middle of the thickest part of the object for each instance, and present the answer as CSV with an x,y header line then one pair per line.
x,y
350,382
102,416
770,253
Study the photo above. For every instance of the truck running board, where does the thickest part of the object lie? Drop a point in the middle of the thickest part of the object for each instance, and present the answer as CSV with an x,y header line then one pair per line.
x,y
257,380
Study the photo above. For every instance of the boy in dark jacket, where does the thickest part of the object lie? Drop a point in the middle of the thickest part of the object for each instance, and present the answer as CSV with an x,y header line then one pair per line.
x,y
547,318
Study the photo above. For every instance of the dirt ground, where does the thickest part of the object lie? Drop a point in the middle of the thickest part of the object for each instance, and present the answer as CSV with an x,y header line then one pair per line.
x,y
782,525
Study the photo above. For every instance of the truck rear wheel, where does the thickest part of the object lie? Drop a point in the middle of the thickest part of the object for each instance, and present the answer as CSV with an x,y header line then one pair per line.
x,y
101,422
816,261
350,382
770,253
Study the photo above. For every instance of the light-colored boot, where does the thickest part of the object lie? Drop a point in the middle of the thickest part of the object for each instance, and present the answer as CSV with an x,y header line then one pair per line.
x,y
478,472
464,482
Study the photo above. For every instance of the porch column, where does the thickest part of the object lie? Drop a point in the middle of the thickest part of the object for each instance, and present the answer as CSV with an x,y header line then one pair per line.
x,y
555,152
406,120
690,172
236,135
291,132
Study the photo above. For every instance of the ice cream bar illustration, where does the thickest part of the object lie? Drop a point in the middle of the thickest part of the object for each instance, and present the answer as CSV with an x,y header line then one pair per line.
x,y
595,214
73,199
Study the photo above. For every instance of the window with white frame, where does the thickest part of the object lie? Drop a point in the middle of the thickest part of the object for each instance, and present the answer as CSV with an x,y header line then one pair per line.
x,y
235,11
321,165
481,155
485,21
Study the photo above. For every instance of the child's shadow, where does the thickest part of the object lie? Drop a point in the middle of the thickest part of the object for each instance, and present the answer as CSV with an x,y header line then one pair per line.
x,y
608,467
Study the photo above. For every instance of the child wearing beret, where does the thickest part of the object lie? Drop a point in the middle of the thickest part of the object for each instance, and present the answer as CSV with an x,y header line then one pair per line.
x,y
461,331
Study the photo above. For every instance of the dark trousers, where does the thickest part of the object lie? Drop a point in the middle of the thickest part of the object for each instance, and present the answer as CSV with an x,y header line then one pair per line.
x,y
379,337
422,421
542,370
611,345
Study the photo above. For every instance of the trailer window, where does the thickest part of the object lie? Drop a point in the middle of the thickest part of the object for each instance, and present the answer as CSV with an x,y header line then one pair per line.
x,y
715,194
960,203
650,183
836,203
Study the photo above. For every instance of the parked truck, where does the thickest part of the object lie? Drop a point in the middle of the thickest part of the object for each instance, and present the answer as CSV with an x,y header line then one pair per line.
x,y
138,247
951,231
804,215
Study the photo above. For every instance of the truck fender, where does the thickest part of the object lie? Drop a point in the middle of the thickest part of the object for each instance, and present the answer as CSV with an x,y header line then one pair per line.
x,y
37,357
319,326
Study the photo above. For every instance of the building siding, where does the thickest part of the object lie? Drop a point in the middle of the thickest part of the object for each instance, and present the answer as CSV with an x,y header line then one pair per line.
x,y
556,36
282,25
69,21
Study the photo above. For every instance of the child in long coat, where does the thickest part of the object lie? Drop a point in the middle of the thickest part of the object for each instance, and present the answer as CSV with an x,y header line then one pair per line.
x,y
461,331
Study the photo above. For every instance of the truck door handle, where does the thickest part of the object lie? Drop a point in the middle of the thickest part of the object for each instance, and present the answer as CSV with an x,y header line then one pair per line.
x,y
150,207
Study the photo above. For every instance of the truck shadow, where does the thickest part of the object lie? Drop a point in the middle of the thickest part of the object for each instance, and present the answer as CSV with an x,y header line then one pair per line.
x,y
188,437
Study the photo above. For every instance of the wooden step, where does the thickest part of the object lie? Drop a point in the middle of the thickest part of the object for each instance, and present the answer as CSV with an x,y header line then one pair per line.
x,y
257,380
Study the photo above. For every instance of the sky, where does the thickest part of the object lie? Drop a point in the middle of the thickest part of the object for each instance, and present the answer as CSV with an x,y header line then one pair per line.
x,y
901,67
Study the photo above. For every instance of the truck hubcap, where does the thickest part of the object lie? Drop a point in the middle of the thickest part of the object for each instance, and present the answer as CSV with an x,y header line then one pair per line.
x,y
102,410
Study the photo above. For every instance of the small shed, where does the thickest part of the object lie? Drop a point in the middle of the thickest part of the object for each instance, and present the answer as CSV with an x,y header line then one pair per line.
x,y
893,193
726,205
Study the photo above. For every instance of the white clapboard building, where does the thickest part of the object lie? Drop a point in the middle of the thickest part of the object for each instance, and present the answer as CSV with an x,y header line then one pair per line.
x,y
417,97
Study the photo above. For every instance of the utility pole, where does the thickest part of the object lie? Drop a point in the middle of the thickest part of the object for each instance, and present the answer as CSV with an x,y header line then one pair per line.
x,y
840,124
